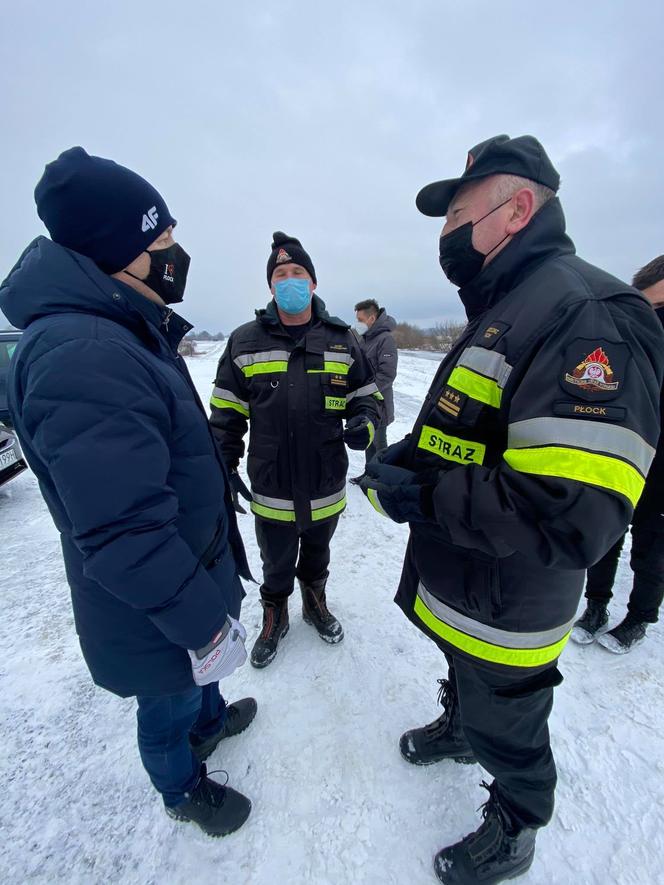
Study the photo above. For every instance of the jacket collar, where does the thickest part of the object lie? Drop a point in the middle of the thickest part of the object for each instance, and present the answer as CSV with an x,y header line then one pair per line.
x,y
49,279
543,238
383,323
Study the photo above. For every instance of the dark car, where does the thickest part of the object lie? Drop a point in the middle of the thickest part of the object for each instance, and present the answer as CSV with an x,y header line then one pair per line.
x,y
8,342
12,461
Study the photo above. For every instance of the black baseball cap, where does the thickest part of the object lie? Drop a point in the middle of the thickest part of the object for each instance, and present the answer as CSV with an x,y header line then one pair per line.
x,y
501,154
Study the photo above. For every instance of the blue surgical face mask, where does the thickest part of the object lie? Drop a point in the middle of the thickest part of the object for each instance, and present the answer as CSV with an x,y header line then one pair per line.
x,y
292,295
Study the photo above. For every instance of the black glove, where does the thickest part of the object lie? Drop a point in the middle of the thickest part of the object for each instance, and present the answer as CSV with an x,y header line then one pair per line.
x,y
238,488
359,433
395,493
393,455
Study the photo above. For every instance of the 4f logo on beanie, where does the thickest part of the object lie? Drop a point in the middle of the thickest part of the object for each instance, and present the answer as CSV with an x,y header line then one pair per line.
x,y
150,220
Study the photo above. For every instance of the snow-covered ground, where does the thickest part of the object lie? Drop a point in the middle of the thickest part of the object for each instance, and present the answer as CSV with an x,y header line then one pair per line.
x,y
333,802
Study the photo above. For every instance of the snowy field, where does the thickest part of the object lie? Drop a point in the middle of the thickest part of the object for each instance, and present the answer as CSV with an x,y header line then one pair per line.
x,y
333,802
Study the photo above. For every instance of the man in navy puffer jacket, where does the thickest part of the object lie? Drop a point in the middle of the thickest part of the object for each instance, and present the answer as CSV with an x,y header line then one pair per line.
x,y
112,427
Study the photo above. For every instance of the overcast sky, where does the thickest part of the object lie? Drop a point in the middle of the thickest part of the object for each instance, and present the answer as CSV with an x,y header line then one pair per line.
x,y
324,120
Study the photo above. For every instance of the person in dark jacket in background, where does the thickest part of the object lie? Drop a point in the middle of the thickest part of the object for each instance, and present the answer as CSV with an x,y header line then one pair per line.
x,y
112,427
292,375
375,328
647,556
523,467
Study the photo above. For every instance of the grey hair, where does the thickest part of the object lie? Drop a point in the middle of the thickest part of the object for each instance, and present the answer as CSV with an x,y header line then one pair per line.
x,y
507,185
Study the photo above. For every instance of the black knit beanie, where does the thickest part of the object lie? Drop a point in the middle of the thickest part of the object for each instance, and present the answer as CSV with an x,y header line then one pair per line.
x,y
100,209
288,250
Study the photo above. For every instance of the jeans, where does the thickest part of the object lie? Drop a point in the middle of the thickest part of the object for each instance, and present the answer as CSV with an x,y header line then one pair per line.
x,y
164,725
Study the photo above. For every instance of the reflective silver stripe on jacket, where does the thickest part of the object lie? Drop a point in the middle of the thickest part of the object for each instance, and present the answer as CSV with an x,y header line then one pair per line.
x,y
593,435
265,356
330,499
504,638
331,356
221,393
274,503
486,362
367,390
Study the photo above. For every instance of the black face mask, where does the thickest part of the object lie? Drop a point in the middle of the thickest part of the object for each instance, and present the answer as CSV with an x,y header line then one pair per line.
x,y
660,313
459,259
168,273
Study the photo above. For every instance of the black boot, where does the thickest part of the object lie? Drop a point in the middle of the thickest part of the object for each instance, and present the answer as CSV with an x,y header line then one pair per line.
x,y
217,810
239,716
275,627
316,612
591,622
441,739
495,852
626,636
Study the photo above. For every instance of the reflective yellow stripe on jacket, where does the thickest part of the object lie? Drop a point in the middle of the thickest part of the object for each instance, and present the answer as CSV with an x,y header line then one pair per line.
x,y
490,644
273,508
323,508
613,458
226,399
481,374
262,363
283,510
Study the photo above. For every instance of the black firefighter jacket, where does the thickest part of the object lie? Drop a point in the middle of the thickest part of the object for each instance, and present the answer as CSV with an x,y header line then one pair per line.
x,y
294,395
541,424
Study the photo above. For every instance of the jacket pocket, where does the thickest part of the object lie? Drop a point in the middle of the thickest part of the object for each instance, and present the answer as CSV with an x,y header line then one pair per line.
x,y
210,554
481,588
262,464
333,462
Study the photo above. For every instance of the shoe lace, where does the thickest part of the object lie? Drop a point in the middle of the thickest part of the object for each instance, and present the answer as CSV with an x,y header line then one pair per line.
x,y
480,844
629,629
207,791
446,700
492,802
594,616
444,693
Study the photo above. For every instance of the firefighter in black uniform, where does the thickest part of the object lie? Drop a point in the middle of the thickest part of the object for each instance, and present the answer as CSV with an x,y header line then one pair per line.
x,y
293,375
647,553
522,469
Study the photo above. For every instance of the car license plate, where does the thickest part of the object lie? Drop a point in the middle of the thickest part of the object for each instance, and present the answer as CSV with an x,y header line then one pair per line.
x,y
7,458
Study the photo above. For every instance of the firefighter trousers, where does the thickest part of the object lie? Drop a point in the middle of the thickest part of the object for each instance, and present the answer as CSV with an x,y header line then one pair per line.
x,y
505,720
287,554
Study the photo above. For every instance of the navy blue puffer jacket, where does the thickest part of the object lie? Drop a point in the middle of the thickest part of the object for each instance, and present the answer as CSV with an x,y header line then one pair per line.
x,y
111,425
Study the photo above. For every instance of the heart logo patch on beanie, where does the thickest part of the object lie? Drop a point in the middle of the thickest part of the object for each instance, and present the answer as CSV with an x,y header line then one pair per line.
x,y
283,256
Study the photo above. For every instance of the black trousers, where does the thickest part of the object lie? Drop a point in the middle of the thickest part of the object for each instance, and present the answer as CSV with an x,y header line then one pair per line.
x,y
287,554
379,442
647,563
505,719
